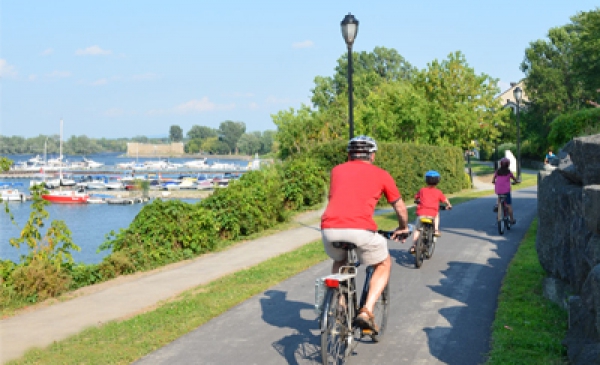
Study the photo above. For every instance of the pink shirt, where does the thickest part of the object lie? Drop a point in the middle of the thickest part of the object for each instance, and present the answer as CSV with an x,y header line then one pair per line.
x,y
503,183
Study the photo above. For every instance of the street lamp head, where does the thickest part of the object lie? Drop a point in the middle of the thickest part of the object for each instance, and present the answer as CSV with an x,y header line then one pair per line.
x,y
518,94
349,29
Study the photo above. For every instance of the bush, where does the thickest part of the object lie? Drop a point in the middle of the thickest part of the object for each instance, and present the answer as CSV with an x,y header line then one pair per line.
x,y
39,280
251,204
566,126
304,183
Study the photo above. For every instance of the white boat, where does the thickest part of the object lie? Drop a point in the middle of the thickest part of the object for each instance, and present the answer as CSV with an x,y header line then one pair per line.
x,y
125,165
196,164
219,166
114,183
10,192
67,196
91,164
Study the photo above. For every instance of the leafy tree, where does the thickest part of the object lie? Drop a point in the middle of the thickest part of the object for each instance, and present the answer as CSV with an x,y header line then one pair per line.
x,y
461,103
5,163
369,70
266,141
249,143
586,50
202,132
176,133
230,133
215,146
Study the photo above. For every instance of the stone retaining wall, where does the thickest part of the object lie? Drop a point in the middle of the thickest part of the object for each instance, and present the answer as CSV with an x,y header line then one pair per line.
x,y
568,243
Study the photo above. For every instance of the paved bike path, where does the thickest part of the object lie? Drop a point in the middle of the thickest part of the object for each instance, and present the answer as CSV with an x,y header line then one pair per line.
x,y
440,314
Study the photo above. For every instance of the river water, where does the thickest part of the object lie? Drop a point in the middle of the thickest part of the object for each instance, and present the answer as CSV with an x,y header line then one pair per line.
x,y
89,223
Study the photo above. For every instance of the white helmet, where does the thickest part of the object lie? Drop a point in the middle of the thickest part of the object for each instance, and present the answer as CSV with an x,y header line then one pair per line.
x,y
362,144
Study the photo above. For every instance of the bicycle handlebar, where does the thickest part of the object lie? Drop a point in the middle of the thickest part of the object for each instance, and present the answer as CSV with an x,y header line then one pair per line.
x,y
442,206
403,236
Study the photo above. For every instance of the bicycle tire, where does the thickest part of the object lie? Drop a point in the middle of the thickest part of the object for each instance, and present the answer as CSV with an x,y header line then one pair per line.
x,y
500,219
334,330
430,244
381,312
419,251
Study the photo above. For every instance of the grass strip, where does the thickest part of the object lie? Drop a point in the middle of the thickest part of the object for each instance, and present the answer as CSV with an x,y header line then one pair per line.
x,y
528,328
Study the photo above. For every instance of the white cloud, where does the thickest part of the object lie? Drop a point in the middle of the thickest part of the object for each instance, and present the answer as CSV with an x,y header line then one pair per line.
x,y
202,105
7,70
253,106
32,77
59,74
100,82
303,44
92,51
47,52
146,76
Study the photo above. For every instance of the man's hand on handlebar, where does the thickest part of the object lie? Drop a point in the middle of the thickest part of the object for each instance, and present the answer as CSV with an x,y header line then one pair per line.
x,y
401,234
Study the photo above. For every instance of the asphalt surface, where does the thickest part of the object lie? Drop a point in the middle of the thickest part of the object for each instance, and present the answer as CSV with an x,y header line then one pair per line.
x,y
441,313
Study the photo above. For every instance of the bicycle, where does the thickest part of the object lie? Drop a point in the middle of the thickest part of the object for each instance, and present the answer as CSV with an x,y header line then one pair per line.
x,y
425,245
337,305
503,217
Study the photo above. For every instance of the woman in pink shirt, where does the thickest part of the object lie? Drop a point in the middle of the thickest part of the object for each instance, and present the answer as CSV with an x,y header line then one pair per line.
x,y
502,178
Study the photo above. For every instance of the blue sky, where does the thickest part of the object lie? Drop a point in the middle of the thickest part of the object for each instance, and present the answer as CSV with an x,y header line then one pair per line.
x,y
126,68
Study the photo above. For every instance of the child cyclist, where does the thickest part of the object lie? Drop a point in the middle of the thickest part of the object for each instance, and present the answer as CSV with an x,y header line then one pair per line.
x,y
501,179
428,204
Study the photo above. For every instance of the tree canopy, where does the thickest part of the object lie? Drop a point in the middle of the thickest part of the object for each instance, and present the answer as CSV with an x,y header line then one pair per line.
x,y
176,133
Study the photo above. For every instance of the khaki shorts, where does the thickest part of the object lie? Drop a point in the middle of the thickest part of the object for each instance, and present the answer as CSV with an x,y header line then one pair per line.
x,y
371,247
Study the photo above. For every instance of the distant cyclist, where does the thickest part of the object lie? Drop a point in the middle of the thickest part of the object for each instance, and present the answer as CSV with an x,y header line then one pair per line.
x,y
354,191
428,204
502,178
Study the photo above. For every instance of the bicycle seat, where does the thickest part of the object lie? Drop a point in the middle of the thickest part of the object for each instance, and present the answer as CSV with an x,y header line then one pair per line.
x,y
502,195
343,245
427,220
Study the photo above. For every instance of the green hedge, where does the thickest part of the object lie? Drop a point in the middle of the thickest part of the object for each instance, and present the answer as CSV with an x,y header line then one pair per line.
x,y
407,163
566,126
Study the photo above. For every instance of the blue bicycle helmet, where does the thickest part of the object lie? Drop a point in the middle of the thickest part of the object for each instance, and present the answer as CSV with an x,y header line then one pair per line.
x,y
432,177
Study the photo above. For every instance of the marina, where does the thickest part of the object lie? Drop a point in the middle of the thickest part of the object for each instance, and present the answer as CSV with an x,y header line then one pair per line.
x,y
107,209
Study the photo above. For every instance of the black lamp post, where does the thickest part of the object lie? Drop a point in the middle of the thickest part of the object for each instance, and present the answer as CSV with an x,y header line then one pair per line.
x,y
349,32
518,94
496,150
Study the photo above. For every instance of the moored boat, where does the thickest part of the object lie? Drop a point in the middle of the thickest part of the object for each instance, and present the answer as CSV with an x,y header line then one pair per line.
x,y
66,197
10,192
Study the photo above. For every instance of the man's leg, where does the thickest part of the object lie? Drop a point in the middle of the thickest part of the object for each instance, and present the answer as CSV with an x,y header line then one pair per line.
x,y
380,278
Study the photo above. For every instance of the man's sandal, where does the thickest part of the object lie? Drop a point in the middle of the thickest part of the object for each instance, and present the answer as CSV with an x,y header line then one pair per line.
x,y
438,234
366,320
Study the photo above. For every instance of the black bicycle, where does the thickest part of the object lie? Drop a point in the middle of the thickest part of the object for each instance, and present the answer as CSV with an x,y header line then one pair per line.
x,y
425,245
337,304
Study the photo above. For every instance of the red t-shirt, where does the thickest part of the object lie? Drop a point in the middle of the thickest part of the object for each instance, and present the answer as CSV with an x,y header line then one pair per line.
x,y
354,191
429,201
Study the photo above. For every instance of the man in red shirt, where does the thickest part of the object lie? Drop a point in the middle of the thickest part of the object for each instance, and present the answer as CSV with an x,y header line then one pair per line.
x,y
429,199
354,191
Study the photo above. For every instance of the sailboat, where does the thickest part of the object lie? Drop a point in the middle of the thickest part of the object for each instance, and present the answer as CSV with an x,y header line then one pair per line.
x,y
65,196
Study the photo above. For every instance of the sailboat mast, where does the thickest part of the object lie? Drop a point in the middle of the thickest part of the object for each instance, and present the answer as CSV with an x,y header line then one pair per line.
x,y
60,162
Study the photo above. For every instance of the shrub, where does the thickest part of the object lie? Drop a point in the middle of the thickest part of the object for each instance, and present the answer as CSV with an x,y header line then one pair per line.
x,y
251,204
566,126
39,280
304,183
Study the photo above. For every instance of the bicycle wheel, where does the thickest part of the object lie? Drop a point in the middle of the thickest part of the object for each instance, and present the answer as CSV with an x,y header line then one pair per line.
x,y
381,311
500,219
334,329
419,250
506,219
430,244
